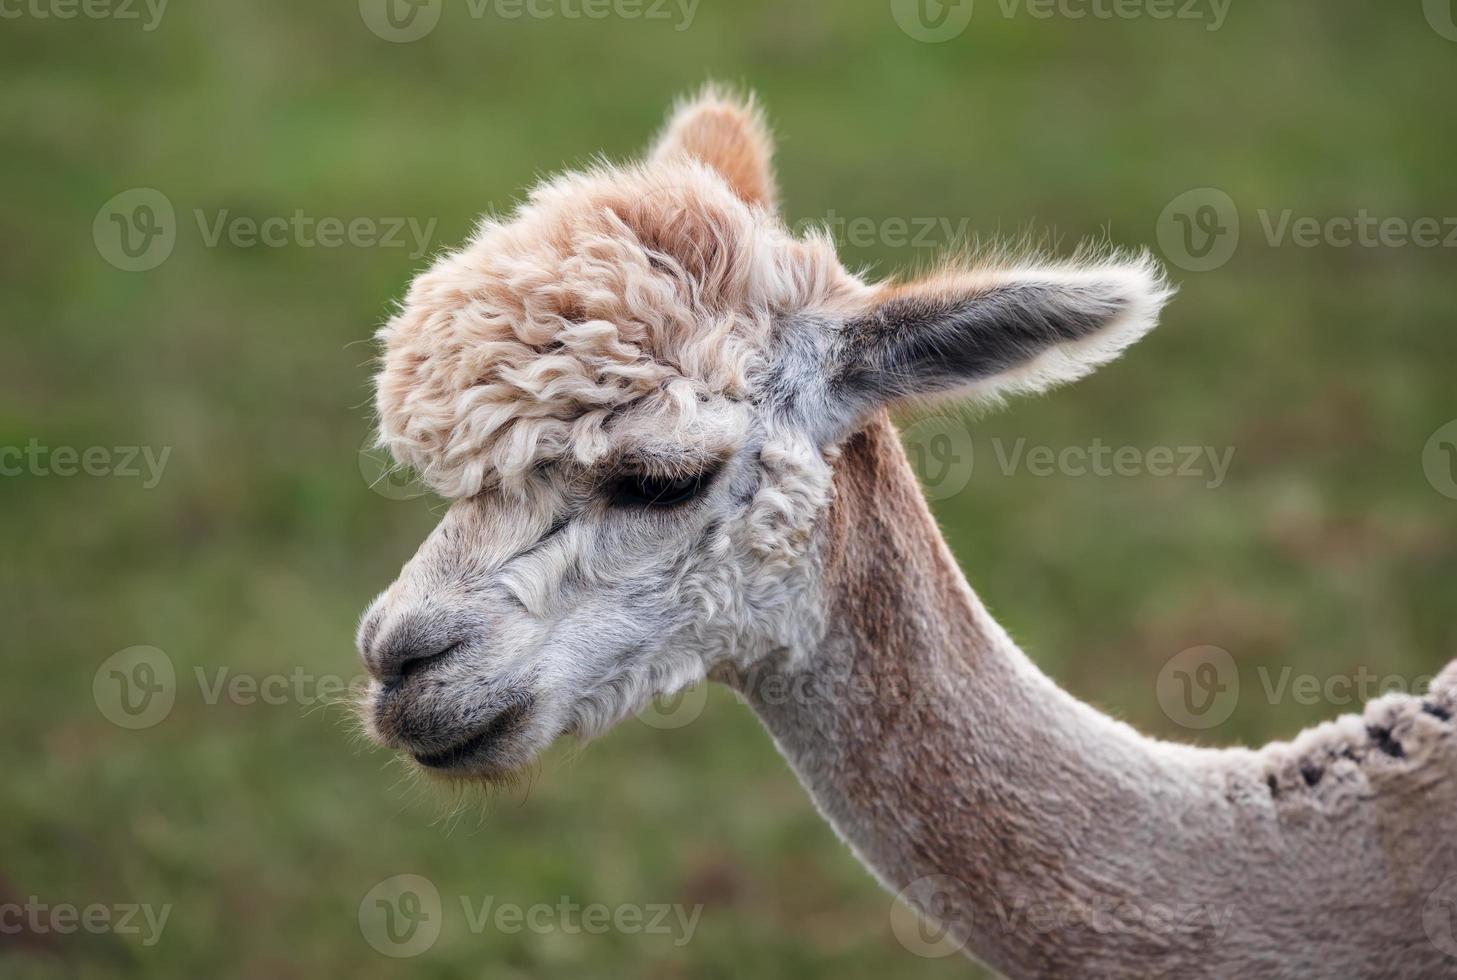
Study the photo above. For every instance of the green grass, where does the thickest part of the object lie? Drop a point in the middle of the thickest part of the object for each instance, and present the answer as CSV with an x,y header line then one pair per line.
x,y
264,826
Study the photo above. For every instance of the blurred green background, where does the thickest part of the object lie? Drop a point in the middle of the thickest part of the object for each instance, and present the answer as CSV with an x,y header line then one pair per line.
x,y
264,825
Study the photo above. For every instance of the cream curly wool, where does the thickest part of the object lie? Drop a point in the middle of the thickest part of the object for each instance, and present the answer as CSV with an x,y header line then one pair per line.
x,y
661,420
652,286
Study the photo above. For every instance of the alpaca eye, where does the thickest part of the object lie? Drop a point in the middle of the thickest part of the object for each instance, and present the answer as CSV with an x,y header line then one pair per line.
x,y
642,490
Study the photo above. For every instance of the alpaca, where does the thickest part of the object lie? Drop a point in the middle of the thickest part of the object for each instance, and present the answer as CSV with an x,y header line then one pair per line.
x,y
662,423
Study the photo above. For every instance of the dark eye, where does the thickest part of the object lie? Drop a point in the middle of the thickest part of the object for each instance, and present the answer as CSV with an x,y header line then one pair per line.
x,y
642,490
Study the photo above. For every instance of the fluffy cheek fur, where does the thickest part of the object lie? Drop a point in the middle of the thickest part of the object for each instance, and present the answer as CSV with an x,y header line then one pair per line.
x,y
733,592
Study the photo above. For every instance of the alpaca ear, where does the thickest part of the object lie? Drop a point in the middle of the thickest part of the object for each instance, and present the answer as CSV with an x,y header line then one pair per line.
x,y
992,332
729,134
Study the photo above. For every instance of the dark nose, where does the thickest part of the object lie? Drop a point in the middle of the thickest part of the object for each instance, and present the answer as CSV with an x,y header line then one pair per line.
x,y
397,646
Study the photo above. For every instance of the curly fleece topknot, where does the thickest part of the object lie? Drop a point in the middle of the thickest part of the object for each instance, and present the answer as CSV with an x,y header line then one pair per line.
x,y
653,285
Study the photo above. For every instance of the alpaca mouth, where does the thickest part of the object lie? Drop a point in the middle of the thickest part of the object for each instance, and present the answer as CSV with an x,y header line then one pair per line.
x,y
478,748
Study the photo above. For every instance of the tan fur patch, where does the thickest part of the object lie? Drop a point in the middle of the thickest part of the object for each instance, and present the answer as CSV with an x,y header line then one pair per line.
x,y
728,134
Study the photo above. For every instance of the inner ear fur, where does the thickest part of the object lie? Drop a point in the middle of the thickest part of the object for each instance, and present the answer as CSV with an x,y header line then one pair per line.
x,y
992,332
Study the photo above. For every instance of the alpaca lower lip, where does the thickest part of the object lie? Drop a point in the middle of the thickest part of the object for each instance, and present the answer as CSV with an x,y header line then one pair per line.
x,y
454,756
477,745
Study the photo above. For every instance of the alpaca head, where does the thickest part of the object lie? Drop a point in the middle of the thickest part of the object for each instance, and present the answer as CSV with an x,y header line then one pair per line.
x,y
632,391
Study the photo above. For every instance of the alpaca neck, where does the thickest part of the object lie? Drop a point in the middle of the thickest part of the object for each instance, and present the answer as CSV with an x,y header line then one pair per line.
x,y
1046,837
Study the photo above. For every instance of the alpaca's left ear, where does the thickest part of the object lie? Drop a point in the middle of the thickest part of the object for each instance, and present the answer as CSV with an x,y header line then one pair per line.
x,y
729,134
990,332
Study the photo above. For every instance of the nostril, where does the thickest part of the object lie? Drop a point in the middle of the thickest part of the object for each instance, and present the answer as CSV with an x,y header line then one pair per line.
x,y
411,664
414,640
